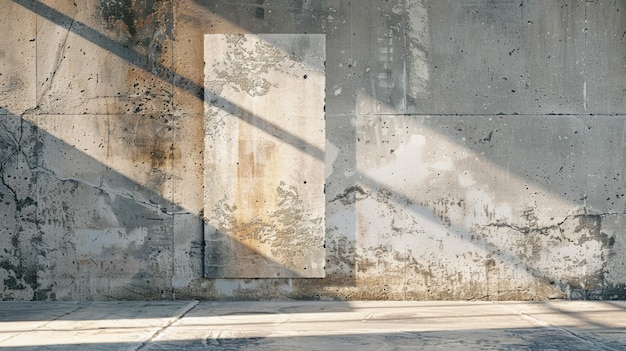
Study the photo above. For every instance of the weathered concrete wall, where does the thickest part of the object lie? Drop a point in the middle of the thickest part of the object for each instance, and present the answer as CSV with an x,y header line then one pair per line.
x,y
474,149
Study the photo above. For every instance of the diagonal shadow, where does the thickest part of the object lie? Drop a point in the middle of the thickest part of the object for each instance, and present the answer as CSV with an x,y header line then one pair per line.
x,y
196,90
268,127
121,50
123,246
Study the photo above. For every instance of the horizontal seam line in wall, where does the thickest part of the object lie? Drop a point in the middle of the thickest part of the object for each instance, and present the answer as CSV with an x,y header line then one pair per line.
x,y
478,114
159,113
173,113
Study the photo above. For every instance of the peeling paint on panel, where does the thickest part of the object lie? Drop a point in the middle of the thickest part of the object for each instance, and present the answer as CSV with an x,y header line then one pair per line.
x,y
245,68
263,171
287,235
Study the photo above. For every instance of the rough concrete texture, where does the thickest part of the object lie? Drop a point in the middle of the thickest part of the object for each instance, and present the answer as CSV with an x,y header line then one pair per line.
x,y
474,149
313,325
264,145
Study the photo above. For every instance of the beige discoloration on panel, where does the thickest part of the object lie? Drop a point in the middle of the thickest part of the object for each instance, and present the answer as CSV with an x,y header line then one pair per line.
x,y
17,57
264,172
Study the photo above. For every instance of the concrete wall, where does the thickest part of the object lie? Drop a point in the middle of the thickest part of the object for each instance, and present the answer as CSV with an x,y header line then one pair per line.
x,y
474,149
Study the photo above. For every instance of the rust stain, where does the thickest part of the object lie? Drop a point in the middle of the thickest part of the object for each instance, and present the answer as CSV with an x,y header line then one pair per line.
x,y
146,145
150,139
257,176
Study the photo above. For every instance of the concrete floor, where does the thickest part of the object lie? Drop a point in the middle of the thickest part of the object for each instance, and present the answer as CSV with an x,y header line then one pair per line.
x,y
302,325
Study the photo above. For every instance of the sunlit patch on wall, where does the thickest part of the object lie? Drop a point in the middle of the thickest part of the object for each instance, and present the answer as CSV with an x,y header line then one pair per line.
x,y
264,155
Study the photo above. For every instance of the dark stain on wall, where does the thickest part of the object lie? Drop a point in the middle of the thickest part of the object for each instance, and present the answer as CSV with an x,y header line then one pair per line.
x,y
142,33
591,225
259,11
351,195
18,227
120,13
136,17
148,142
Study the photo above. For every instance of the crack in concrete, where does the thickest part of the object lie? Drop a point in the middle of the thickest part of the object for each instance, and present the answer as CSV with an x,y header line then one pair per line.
x,y
58,61
14,149
544,229
178,316
13,193
524,229
111,191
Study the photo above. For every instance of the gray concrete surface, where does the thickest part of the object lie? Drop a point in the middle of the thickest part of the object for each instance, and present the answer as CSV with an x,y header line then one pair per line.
x,y
474,150
319,325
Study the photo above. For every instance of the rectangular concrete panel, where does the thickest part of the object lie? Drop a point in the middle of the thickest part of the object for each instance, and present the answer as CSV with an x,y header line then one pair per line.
x,y
264,155
17,52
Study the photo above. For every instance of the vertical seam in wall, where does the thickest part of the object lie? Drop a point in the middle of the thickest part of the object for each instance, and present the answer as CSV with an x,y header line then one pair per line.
x,y
201,214
404,107
172,140
36,148
407,54
585,60
406,283
586,29
352,31
203,242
